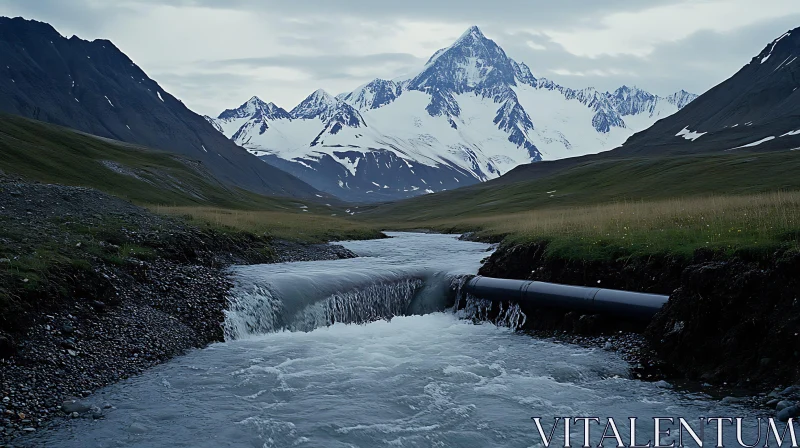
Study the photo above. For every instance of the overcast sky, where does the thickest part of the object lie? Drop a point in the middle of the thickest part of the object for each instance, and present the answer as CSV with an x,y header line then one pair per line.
x,y
216,54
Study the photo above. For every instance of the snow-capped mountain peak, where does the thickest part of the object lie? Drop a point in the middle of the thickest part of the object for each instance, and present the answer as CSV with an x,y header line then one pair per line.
x,y
681,98
462,67
377,93
245,110
470,114
472,35
315,105
254,108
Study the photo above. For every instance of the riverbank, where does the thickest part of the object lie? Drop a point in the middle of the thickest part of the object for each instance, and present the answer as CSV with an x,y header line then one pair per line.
x,y
94,289
732,319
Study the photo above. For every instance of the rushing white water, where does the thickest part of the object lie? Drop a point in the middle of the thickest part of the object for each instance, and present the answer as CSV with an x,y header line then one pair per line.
x,y
431,380
409,272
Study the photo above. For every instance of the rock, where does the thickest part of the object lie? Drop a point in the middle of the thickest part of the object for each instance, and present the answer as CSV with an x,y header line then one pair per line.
x,y
72,352
67,329
781,405
7,346
790,412
137,428
765,362
71,406
731,400
791,390
29,429
608,346
773,402
663,384
98,306
68,343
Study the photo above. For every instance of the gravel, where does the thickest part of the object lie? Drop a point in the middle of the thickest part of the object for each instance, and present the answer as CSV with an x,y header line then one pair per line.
x,y
118,318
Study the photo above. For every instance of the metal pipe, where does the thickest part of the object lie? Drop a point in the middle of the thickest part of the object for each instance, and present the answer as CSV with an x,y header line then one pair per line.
x,y
635,305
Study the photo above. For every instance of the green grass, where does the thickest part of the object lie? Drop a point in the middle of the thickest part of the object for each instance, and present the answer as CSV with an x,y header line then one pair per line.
x,y
165,182
612,209
52,154
307,227
606,181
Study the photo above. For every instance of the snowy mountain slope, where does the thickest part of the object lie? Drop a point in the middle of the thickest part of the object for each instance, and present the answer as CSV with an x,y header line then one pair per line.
x,y
470,115
758,107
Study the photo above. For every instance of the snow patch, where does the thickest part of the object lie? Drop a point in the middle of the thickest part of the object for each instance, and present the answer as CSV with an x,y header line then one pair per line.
x,y
204,148
775,42
304,164
690,135
109,101
763,140
797,132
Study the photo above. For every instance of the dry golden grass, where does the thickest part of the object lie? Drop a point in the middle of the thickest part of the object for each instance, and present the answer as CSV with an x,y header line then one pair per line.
x,y
297,226
676,226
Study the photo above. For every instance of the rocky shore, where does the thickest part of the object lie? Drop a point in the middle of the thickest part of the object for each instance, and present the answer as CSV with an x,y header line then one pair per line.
x,y
94,289
731,325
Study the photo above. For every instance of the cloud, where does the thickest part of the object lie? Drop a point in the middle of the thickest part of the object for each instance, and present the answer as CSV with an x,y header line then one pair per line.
x,y
215,55
639,33
594,72
535,46
327,66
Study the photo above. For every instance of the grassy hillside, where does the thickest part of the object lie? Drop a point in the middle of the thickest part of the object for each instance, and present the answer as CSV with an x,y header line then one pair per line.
x,y
52,154
604,181
162,181
629,207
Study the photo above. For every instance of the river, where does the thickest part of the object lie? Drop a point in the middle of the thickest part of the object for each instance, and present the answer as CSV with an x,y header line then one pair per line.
x,y
289,376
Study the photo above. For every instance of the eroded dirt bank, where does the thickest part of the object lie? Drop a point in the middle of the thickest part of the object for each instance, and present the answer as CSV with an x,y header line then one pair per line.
x,y
731,320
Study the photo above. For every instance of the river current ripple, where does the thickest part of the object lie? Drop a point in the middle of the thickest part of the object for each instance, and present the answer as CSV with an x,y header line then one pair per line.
x,y
431,380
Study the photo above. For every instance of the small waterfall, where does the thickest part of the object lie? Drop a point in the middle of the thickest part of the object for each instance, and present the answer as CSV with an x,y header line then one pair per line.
x,y
251,311
479,310
504,315
259,309
375,302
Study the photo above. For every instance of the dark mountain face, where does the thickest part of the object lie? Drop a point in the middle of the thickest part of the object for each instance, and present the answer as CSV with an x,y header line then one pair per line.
x,y
760,103
95,88
362,185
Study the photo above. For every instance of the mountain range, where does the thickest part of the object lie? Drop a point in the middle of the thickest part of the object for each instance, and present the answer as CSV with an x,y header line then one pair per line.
x,y
470,115
95,88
